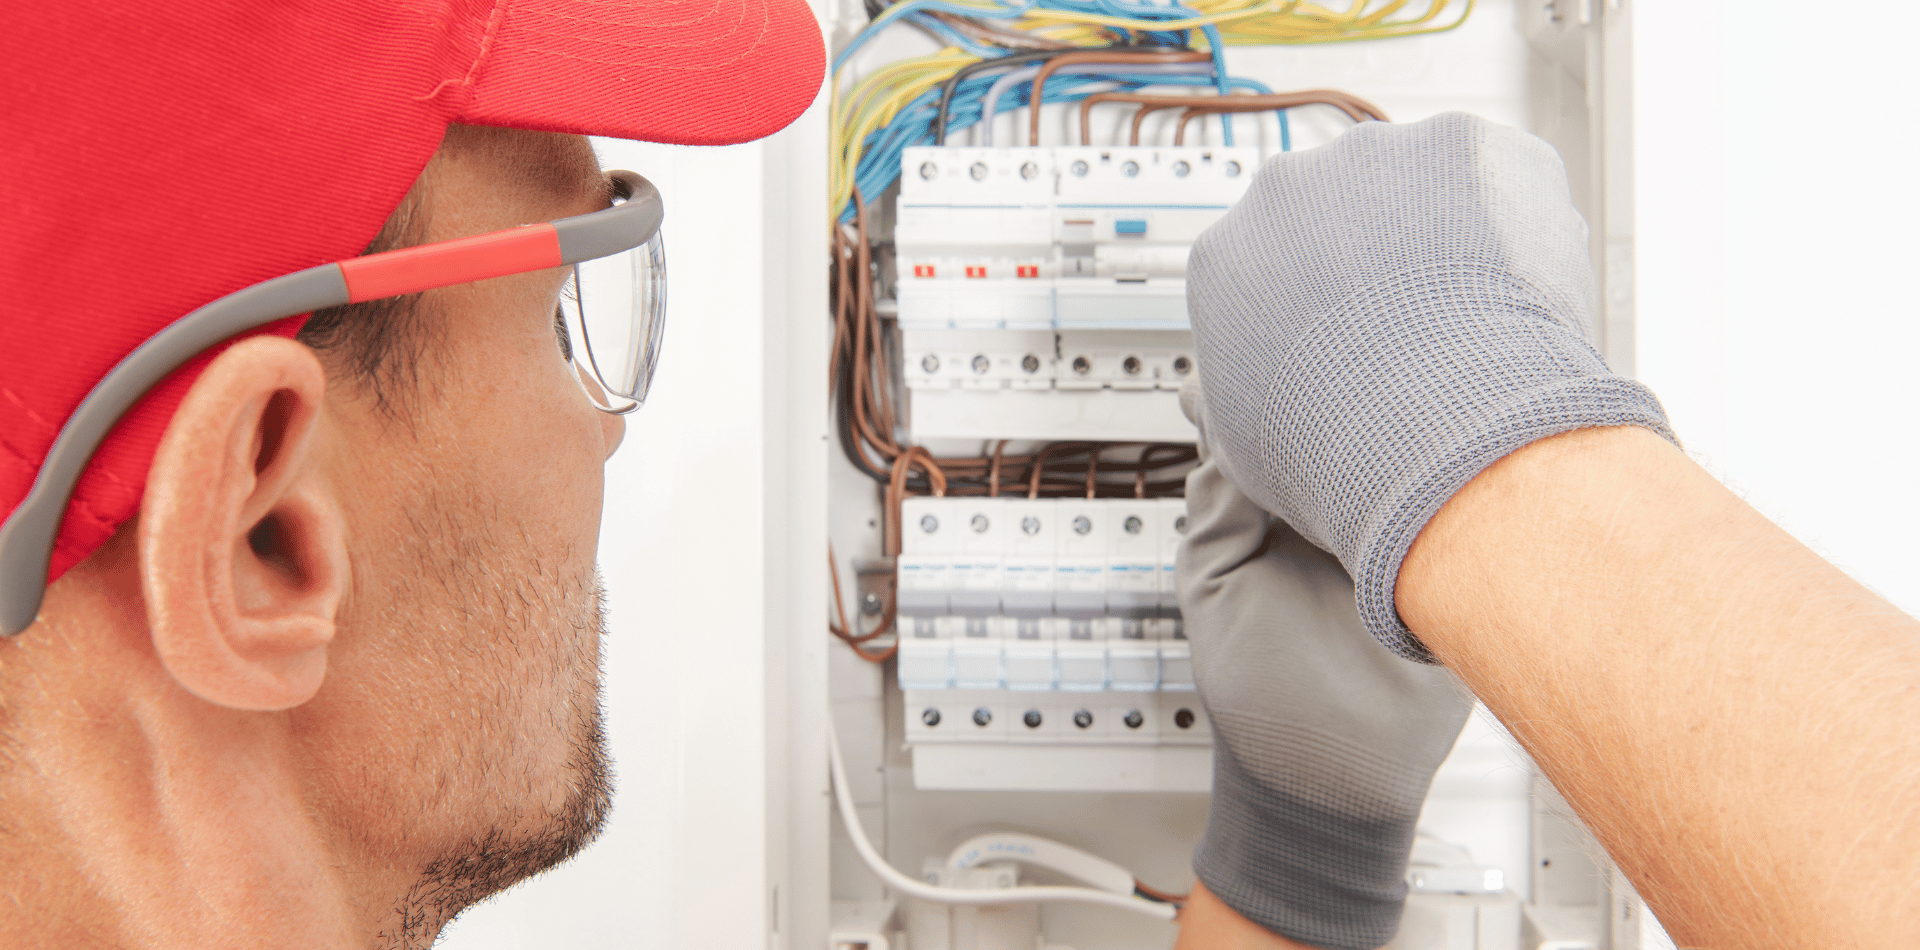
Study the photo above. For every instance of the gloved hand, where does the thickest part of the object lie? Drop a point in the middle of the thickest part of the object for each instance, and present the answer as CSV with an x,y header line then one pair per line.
x,y
1382,318
1324,741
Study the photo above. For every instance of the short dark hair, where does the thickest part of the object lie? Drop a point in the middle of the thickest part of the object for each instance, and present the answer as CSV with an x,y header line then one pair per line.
x,y
379,344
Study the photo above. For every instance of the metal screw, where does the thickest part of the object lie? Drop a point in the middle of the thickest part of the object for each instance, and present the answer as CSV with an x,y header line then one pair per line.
x,y
980,524
1029,171
930,716
1133,719
870,605
1183,718
930,364
1079,169
1182,365
1030,363
981,364
1030,525
1032,719
1181,169
929,170
1133,524
1083,719
1180,525
1130,366
1130,169
983,716
1082,366
978,171
1233,169
929,523
1082,524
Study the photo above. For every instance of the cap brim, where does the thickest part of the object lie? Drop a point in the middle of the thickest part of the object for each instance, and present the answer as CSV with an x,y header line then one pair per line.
x,y
688,72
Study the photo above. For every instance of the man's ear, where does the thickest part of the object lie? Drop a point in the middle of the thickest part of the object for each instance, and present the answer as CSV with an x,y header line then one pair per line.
x,y
242,561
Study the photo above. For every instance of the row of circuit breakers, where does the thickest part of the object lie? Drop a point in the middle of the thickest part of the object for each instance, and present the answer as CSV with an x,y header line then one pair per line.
x,y
1044,620
1059,238
1041,594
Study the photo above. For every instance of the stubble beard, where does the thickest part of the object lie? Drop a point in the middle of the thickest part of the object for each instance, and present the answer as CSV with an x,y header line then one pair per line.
x,y
500,857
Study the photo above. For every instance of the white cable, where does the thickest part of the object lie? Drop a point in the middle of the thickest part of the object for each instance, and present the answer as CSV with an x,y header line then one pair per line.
x,y
912,887
1042,852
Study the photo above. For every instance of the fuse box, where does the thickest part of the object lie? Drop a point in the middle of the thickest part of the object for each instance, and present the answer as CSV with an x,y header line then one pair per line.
x,y
1034,294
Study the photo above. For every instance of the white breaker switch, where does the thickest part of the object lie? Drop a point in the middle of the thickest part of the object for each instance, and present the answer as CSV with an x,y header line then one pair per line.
x,y
1060,631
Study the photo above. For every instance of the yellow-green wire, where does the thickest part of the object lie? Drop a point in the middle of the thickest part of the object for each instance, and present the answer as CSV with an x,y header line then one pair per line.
x,y
879,96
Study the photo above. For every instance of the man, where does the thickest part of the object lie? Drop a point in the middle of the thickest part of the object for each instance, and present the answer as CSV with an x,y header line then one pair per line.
x,y
318,662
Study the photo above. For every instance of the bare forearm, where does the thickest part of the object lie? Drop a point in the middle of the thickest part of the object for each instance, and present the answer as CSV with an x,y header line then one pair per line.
x,y
1738,721
1208,924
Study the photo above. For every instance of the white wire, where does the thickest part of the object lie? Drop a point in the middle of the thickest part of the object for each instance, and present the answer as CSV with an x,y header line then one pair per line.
x,y
913,887
1043,852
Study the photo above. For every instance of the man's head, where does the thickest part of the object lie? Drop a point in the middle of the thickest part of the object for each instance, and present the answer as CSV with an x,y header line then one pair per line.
x,y
320,654
386,546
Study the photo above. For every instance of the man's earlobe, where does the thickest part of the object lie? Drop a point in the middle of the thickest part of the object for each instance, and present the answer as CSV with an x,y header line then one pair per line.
x,y
242,556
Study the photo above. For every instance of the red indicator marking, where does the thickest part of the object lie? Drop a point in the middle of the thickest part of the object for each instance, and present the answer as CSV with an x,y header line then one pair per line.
x,y
923,270
1027,270
976,270
447,263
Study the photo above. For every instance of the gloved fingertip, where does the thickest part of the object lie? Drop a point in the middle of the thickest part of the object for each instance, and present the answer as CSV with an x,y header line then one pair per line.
x,y
1190,396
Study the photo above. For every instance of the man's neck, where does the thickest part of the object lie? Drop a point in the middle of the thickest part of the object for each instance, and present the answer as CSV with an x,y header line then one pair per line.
x,y
137,815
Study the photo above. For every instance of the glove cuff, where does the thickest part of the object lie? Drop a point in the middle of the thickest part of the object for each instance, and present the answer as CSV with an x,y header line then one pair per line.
x,y
1578,403
1309,874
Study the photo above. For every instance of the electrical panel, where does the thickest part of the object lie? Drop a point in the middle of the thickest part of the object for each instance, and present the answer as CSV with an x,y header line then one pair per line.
x,y
1029,299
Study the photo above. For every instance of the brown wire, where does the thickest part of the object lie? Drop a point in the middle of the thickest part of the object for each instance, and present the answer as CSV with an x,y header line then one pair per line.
x,y
1357,109
993,479
1165,897
1097,56
1093,474
995,36
844,632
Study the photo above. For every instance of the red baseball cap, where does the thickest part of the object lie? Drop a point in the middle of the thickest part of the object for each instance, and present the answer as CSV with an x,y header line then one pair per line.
x,y
157,156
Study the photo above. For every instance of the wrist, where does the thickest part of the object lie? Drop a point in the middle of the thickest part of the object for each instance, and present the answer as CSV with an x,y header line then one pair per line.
x,y
1206,923
1544,503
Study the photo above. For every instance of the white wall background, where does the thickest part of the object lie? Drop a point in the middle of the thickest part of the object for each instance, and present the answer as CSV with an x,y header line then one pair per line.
x,y
1776,211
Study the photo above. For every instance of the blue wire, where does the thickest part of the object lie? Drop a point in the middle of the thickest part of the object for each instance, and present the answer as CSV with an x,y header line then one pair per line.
x,y
886,18
952,37
879,163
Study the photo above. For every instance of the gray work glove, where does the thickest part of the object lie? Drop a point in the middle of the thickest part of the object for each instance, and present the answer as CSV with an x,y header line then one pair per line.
x,y
1382,318
1324,741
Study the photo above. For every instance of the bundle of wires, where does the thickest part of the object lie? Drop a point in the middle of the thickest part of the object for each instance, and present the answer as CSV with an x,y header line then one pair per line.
x,y
901,104
1009,54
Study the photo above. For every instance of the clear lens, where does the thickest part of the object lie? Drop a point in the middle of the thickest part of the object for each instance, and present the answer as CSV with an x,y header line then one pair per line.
x,y
613,309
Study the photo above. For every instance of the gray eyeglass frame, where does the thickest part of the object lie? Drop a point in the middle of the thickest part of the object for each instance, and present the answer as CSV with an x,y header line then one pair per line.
x,y
28,535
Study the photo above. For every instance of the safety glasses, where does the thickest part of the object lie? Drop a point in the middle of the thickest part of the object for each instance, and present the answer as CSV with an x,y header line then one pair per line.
x,y
612,310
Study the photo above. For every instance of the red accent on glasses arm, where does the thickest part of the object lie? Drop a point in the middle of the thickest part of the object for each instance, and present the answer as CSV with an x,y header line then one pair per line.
x,y
443,264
